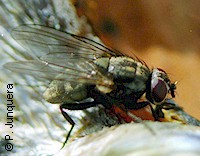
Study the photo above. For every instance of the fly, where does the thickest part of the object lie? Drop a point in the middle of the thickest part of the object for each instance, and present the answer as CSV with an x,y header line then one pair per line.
x,y
90,73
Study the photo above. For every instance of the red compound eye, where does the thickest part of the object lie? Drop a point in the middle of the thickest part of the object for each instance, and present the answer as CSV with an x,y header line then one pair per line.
x,y
159,90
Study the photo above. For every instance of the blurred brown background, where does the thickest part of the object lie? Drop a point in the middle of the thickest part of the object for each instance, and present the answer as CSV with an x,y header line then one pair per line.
x,y
164,34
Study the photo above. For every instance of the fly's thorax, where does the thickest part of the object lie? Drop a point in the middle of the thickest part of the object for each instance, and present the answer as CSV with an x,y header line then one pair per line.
x,y
133,74
127,68
62,91
136,86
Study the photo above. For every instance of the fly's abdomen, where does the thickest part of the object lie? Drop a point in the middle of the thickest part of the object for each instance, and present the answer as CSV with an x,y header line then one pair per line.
x,y
61,91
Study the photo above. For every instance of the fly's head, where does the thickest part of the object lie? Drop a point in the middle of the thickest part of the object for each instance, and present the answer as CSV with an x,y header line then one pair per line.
x,y
159,86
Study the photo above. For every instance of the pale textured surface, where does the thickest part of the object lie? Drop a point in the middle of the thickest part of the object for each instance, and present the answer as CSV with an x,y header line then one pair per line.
x,y
136,139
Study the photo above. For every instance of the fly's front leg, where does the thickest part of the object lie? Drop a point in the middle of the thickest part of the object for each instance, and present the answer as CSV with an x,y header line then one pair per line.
x,y
157,112
167,106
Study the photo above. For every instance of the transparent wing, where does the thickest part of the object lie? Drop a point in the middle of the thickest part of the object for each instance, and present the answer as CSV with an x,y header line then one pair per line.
x,y
73,70
60,55
41,40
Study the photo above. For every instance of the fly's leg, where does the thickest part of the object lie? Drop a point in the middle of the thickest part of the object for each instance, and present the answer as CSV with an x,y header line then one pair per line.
x,y
157,113
136,106
69,119
73,106
78,106
168,106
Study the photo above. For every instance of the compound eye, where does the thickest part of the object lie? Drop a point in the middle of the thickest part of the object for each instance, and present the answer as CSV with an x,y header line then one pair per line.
x,y
159,90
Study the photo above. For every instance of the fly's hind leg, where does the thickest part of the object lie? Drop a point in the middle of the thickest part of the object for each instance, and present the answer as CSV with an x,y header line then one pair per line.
x,y
69,119
73,106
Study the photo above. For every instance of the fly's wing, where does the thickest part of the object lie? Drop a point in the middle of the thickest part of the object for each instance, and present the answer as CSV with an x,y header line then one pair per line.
x,y
60,55
41,40
73,70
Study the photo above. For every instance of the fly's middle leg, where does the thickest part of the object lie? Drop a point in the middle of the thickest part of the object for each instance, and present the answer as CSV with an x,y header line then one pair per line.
x,y
157,112
136,105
